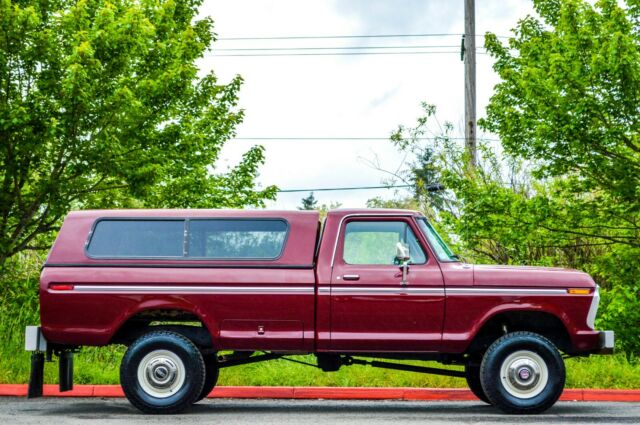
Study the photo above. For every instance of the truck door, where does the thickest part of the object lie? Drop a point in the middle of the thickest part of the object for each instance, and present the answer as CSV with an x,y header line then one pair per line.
x,y
371,308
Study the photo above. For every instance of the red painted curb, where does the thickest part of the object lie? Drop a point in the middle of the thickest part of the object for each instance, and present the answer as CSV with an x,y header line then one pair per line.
x,y
331,393
106,391
453,394
606,395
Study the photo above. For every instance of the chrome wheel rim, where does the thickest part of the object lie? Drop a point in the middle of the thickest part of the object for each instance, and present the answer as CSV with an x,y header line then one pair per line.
x,y
161,373
524,374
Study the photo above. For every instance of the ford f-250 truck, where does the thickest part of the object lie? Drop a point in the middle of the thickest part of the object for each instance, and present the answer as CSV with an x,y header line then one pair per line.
x,y
190,292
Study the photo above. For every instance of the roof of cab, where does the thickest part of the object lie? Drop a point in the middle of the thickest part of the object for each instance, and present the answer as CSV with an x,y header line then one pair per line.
x,y
343,212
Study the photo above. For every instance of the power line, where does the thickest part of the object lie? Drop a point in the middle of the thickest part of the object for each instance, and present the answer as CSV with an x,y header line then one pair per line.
x,y
334,54
449,46
327,37
352,138
330,189
332,37
311,138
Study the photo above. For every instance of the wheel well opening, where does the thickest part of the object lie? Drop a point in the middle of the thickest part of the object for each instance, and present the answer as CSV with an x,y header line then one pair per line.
x,y
545,324
183,322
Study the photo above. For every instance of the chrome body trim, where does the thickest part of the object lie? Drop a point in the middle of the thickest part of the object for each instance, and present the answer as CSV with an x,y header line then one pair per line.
x,y
335,289
606,343
34,340
593,309
341,289
385,291
505,291
157,289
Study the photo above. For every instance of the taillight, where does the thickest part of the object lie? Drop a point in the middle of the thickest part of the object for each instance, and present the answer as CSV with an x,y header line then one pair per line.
x,y
61,287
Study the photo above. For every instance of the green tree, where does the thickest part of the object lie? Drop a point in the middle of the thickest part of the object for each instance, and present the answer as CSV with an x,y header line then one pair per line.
x,y
102,105
568,102
309,203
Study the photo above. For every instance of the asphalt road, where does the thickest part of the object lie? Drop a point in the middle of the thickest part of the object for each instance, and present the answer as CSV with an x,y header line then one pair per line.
x,y
54,411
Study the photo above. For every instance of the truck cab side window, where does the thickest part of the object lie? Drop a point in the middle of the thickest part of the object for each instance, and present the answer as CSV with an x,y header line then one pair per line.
x,y
374,242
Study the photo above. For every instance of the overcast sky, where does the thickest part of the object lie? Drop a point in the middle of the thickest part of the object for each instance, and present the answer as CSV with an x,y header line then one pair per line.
x,y
344,96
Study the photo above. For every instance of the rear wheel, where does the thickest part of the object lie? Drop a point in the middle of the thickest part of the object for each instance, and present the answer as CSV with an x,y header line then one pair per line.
x,y
211,375
162,372
522,372
472,374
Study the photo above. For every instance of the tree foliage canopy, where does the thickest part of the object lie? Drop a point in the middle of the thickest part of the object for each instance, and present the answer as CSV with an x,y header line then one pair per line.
x,y
308,203
569,105
102,105
570,94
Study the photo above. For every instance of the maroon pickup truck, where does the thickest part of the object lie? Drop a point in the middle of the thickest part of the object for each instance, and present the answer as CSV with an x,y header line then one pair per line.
x,y
190,292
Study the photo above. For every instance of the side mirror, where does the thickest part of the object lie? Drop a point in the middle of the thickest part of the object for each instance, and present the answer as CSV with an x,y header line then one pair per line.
x,y
403,257
402,253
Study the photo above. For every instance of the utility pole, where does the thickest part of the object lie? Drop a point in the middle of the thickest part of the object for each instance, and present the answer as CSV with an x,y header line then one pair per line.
x,y
470,81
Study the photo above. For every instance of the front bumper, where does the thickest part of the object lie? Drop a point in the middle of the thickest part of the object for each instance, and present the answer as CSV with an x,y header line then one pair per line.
x,y
607,341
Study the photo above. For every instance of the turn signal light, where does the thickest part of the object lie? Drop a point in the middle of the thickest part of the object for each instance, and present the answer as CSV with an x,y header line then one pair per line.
x,y
579,291
61,287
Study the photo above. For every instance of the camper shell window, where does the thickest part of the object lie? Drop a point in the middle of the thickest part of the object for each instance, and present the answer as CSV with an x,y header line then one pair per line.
x,y
228,239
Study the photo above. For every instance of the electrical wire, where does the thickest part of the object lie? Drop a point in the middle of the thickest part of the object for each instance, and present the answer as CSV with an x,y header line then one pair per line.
x,y
333,37
449,46
354,138
334,54
331,189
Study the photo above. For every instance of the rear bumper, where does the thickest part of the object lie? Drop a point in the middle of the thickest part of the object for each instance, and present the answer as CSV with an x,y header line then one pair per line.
x,y
606,342
41,350
34,340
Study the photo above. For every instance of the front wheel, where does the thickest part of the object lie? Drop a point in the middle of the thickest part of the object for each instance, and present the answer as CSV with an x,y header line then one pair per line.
x,y
522,373
162,372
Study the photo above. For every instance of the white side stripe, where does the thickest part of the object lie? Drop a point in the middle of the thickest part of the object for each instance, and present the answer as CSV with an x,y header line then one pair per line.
x,y
326,290
341,290
157,289
398,290
505,291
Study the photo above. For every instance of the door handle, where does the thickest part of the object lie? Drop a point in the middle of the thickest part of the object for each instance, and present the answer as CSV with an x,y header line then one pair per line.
x,y
351,277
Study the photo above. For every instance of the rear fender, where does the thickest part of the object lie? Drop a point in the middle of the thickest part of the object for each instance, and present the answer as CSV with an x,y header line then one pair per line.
x,y
136,321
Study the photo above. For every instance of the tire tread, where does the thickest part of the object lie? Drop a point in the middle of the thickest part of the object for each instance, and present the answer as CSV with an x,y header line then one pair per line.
x,y
125,378
493,393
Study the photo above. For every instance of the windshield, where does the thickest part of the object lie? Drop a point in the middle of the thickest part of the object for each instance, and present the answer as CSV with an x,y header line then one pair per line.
x,y
437,244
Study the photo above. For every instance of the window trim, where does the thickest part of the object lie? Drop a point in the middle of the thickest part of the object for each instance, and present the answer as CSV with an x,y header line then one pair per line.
x,y
368,218
428,242
185,239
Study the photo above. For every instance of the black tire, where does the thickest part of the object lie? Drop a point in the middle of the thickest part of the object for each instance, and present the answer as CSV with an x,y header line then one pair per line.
x,y
522,373
472,374
162,372
211,375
